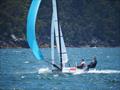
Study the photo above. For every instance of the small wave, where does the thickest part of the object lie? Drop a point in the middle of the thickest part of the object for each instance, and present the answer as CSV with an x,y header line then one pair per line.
x,y
107,56
56,75
26,62
17,51
22,76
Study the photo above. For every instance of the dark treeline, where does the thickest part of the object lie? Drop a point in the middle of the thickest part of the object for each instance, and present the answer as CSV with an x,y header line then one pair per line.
x,y
84,22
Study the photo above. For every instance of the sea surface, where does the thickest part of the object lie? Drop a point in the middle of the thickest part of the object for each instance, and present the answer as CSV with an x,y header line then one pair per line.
x,y
19,70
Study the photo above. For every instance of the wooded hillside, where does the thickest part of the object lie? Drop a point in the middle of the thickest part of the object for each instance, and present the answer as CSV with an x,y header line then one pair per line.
x,y
84,22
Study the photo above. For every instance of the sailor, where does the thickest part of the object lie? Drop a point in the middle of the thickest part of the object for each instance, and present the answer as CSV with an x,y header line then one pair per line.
x,y
82,64
92,64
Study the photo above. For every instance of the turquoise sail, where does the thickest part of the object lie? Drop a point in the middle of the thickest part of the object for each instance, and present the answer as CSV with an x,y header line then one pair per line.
x,y
31,37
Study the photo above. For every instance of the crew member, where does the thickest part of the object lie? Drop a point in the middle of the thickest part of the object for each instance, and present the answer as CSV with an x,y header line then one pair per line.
x,y
82,64
92,64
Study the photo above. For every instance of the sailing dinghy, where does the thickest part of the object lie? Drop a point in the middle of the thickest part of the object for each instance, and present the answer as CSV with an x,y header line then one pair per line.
x,y
55,32
56,35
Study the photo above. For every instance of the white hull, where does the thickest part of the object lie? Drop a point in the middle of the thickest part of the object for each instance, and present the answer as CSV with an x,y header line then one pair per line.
x,y
73,70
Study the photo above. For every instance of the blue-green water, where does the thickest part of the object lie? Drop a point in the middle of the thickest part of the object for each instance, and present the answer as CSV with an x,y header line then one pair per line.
x,y
19,70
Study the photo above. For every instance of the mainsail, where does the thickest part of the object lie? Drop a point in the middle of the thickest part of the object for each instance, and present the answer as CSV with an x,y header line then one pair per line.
x,y
31,20
59,37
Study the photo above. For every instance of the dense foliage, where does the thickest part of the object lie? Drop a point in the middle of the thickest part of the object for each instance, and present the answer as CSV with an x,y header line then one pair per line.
x,y
84,22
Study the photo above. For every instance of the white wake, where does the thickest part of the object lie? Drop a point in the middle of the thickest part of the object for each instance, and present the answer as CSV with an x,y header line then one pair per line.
x,y
99,72
44,70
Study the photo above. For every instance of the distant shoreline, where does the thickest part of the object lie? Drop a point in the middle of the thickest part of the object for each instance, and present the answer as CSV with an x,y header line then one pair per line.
x,y
24,44
50,47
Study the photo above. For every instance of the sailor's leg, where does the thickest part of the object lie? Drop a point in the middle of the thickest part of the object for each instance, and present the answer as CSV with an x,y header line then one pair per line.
x,y
87,67
80,67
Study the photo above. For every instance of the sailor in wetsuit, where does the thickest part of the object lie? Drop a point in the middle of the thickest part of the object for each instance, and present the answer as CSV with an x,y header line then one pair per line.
x,y
82,64
92,64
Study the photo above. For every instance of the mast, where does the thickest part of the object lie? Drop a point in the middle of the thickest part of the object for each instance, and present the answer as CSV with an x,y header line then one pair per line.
x,y
59,35
52,41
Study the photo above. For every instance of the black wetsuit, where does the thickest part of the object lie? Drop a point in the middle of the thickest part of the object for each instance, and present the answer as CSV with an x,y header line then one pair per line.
x,y
92,65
